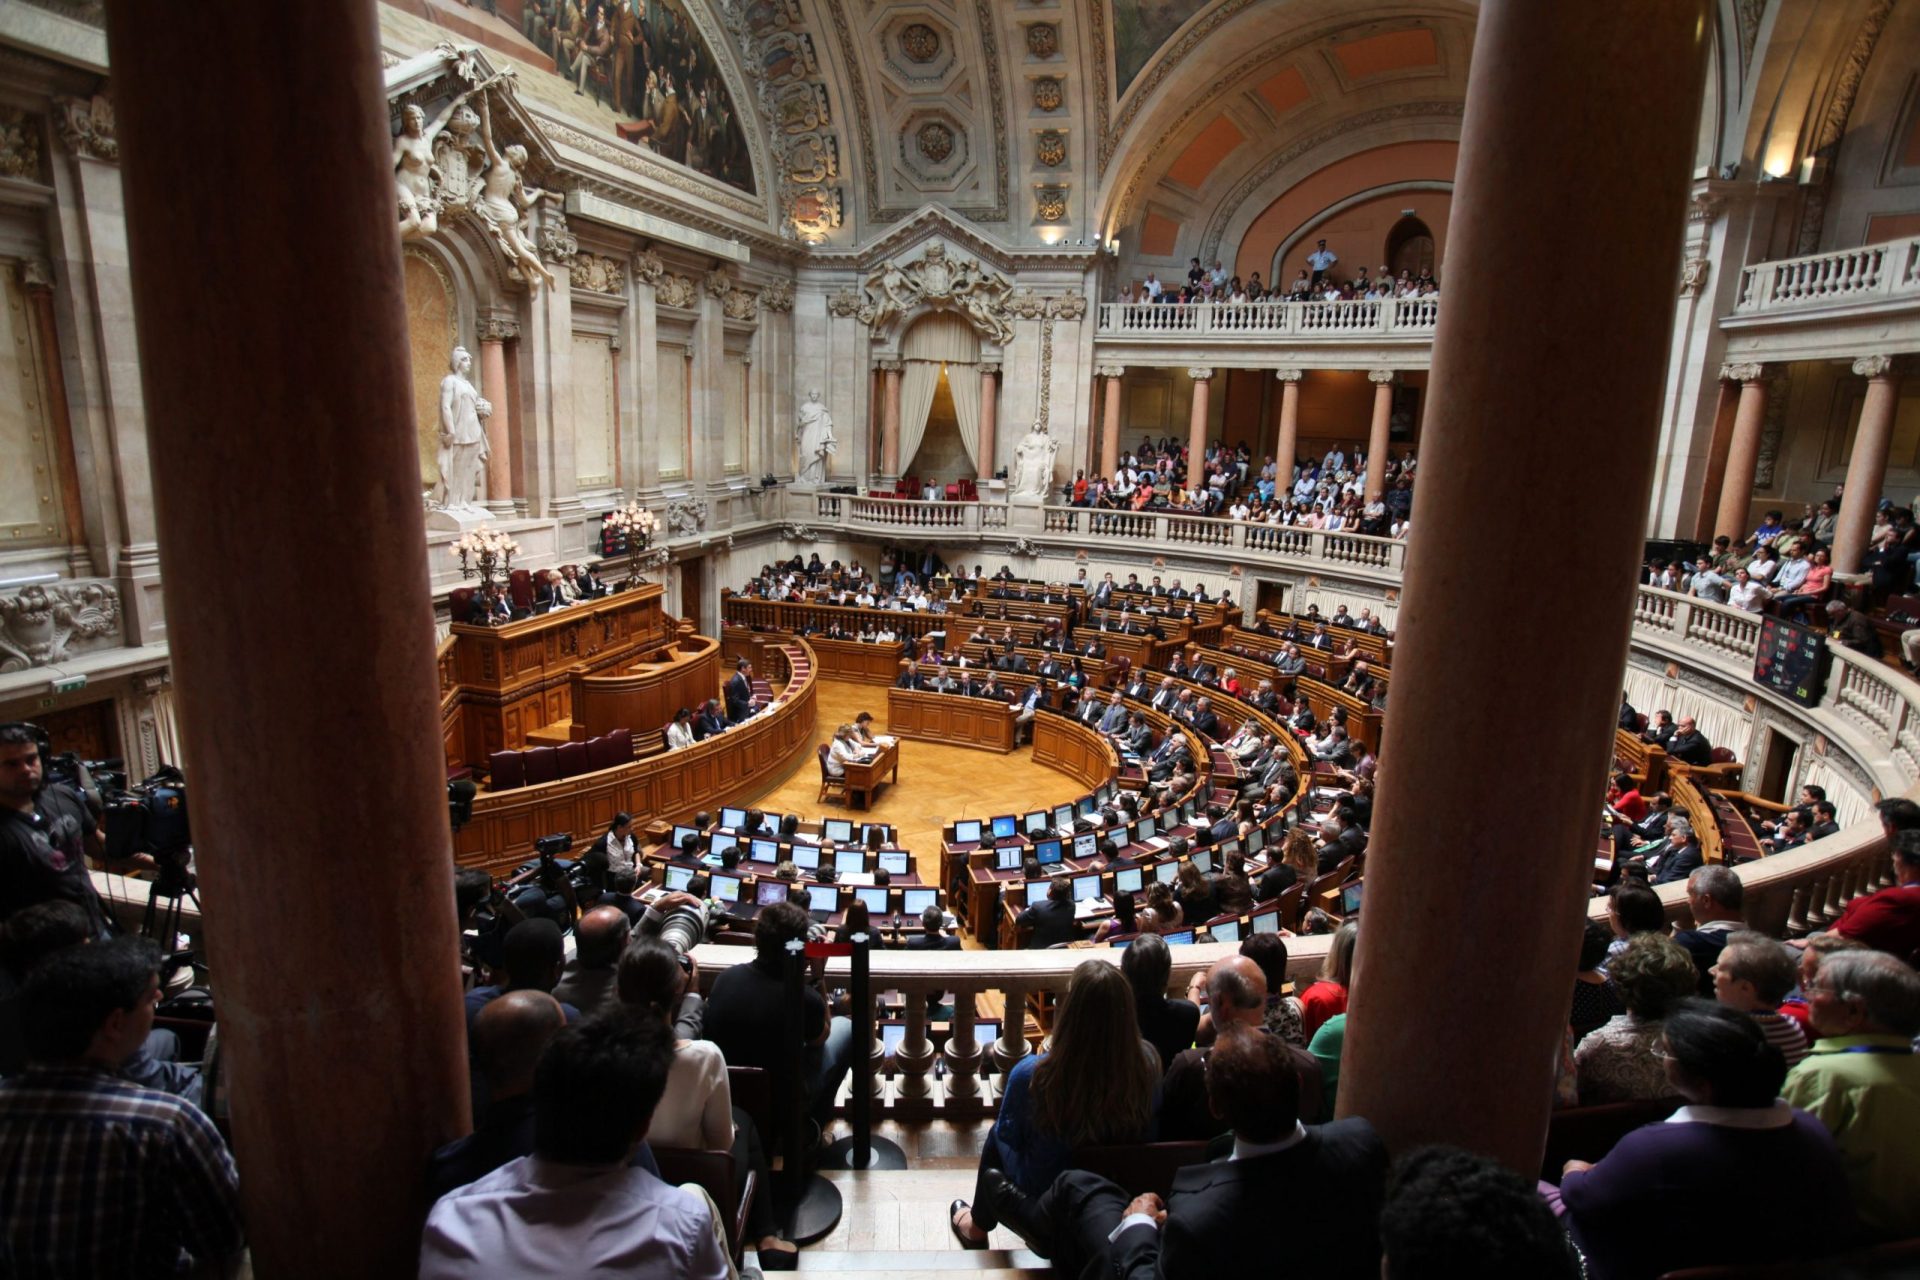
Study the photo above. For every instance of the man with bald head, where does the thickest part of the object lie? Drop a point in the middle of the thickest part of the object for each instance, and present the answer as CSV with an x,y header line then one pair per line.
x,y
1237,1004
588,983
506,1039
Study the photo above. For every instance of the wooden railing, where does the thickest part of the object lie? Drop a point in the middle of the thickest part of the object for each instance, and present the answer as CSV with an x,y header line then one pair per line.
x,y
1296,321
1840,277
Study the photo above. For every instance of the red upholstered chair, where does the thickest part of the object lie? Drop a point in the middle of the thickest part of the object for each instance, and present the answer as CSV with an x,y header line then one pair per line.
x,y
506,770
1721,755
622,744
604,752
520,590
572,758
953,493
969,492
460,604
543,765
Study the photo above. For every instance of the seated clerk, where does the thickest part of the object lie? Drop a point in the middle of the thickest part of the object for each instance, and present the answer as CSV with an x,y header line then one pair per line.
x,y
710,720
1051,920
1218,1220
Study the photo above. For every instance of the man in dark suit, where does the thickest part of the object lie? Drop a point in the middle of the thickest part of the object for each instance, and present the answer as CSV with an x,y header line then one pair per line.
x,y
1204,719
740,692
1679,857
1660,730
1218,1220
933,935
1051,919
1167,757
1688,745
710,720
1825,820
1714,896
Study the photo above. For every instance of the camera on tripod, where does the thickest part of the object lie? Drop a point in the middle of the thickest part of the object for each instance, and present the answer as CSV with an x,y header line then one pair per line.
x,y
151,817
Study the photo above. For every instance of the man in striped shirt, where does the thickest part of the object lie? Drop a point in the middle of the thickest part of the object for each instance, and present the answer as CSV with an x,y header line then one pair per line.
x,y
99,1176
1753,973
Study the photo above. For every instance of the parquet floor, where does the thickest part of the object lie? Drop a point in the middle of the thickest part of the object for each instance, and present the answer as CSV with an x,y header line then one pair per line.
x,y
937,783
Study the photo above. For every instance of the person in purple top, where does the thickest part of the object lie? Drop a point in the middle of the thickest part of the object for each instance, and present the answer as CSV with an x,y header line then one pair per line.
x,y
1720,1181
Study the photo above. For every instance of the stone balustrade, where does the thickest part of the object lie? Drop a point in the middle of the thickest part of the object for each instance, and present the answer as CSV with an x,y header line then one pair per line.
x,y
1842,277
1229,322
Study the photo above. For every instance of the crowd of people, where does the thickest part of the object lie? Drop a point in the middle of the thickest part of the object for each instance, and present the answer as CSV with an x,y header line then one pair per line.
x,y
1324,493
1316,282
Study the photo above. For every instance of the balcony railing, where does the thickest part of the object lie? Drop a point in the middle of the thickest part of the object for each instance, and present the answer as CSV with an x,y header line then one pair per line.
x,y
1147,528
1844,277
910,514
1266,321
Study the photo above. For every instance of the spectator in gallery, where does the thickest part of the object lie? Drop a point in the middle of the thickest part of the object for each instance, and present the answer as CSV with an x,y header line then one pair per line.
x,y
1616,1062
1321,260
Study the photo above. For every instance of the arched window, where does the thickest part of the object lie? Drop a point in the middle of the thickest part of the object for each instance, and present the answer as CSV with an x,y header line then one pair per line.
x,y
1410,246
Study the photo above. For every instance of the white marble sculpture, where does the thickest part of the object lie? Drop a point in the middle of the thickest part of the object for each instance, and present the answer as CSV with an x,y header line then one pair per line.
x,y
815,437
1033,464
505,200
463,441
414,163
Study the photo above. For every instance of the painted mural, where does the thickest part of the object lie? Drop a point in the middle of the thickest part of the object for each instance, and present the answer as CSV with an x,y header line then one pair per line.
x,y
1140,27
646,62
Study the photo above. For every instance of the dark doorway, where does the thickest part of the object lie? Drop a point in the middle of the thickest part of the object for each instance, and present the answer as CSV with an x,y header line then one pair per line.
x,y
1782,750
1410,247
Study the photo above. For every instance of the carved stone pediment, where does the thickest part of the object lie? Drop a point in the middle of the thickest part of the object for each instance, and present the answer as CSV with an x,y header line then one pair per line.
x,y
43,625
933,279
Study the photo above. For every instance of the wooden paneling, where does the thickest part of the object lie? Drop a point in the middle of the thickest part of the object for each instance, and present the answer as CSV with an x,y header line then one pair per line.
x,y
858,661
644,695
88,731
951,718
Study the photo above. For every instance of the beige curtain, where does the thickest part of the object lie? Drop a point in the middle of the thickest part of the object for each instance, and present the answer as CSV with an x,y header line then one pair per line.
x,y
941,338
964,381
916,402
166,729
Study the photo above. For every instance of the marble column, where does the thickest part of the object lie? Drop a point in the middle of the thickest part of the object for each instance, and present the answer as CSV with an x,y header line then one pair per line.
x,y
1110,423
1580,461
36,281
890,421
1743,451
495,333
1378,432
1867,468
348,1061
1288,446
1197,429
1706,502
989,417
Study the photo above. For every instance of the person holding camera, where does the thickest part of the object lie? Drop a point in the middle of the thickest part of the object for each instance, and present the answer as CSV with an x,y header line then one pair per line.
x,y
46,834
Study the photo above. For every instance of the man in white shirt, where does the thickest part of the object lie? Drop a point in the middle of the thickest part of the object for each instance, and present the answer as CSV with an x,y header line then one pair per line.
x,y
1321,260
575,1206
1151,289
1746,594
1218,275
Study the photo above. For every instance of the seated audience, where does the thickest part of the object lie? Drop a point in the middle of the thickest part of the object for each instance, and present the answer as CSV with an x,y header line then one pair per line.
x,y
1097,1085
1616,1063
1862,1080
104,1177
697,1110
1753,974
1595,1001
748,1000
1633,908
532,959
587,982
1237,994
507,1039
1327,995
1220,1218
577,1206
1715,897
1166,1023
1451,1213
1890,919
1734,1153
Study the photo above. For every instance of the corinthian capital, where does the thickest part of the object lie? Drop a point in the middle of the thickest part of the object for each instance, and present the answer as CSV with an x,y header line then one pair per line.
x,y
498,329
1745,372
1873,366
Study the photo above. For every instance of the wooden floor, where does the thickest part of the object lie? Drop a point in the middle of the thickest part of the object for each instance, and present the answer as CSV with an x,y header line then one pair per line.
x,y
937,783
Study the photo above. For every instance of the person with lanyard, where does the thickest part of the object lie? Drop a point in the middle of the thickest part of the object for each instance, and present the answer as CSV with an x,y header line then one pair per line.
x,y
46,833
1862,1080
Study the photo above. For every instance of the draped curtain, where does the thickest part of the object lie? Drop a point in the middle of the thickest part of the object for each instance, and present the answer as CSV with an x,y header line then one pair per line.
x,y
166,730
964,381
937,339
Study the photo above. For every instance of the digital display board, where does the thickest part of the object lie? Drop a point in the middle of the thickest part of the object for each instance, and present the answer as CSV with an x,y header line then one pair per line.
x,y
1792,660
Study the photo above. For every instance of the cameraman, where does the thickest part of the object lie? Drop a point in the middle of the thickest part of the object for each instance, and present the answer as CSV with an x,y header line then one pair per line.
x,y
683,921
46,834
481,935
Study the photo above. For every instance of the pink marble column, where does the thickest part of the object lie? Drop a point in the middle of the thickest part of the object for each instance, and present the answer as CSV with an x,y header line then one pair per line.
x,y
1110,426
346,1046
1197,429
1289,442
1378,432
890,422
989,417
495,333
1743,451
1867,468
1509,450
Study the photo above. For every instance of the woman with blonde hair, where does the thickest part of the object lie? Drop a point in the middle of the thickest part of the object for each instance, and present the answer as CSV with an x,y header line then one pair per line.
x,y
1299,863
1087,1090
841,751
1162,913
1328,995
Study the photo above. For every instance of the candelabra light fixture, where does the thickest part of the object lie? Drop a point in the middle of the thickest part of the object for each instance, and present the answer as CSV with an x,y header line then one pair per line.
x,y
637,526
487,554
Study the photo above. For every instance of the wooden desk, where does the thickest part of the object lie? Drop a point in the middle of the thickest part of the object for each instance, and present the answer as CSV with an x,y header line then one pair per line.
x,y
865,780
858,661
951,718
498,683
